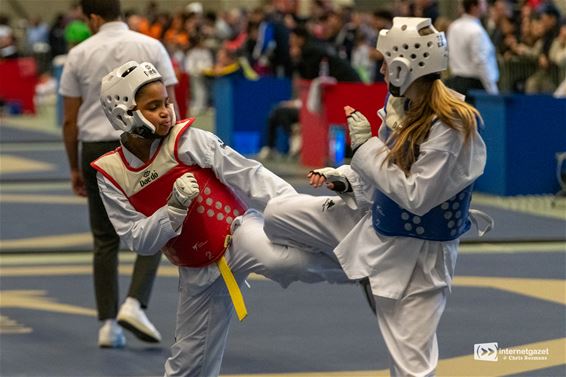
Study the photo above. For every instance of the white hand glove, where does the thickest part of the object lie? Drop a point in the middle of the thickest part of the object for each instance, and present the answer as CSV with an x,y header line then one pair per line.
x,y
338,180
185,189
360,129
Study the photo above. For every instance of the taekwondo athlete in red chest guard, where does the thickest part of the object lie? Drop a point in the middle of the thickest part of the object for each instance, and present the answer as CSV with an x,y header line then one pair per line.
x,y
173,187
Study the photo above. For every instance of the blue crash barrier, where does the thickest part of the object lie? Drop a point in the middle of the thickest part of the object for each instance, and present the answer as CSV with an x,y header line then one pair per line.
x,y
243,106
523,133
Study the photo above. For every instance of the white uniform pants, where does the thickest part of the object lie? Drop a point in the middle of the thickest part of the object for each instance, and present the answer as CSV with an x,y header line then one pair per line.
x,y
408,325
204,313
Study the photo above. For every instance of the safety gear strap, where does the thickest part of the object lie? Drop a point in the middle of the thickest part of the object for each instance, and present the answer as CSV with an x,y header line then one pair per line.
x,y
233,287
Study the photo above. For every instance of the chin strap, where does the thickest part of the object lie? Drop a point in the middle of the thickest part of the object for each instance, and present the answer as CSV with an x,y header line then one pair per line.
x,y
144,132
146,128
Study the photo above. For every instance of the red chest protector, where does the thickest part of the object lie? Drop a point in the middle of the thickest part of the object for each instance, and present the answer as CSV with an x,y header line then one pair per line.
x,y
207,224
209,216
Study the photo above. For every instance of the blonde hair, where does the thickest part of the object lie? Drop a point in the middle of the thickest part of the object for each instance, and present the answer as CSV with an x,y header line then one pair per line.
x,y
436,102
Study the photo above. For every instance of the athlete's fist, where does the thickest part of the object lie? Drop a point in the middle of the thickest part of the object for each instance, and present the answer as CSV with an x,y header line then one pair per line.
x,y
360,129
185,189
334,180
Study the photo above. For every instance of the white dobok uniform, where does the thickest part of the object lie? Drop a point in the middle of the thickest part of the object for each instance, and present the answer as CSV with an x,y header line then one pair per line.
x,y
205,308
409,276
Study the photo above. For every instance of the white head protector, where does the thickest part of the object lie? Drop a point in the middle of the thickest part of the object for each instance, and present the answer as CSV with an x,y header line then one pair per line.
x,y
117,95
410,52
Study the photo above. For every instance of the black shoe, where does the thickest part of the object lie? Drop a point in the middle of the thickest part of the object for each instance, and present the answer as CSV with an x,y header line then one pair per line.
x,y
368,294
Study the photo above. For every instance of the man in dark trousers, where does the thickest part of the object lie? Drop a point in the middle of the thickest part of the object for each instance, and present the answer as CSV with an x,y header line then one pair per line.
x,y
86,125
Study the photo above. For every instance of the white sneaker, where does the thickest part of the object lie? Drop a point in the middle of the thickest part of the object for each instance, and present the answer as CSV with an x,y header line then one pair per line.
x,y
295,142
111,335
132,317
264,153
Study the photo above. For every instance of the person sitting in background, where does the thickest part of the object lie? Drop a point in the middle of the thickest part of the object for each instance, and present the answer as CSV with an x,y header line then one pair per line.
x,y
310,61
284,116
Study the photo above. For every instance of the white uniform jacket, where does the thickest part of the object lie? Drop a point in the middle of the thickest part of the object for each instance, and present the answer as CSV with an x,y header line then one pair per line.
x,y
445,166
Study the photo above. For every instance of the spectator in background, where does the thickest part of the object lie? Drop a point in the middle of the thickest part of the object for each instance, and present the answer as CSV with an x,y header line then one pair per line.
x,y
208,29
37,34
8,48
402,8
381,19
136,22
557,55
472,60
557,52
261,44
281,21
425,8
310,61
545,78
158,25
507,36
361,57
226,63
176,38
85,123
498,11
236,20
199,59
307,55
57,41
338,34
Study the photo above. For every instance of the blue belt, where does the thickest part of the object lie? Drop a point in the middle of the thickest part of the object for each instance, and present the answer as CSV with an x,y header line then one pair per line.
x,y
444,222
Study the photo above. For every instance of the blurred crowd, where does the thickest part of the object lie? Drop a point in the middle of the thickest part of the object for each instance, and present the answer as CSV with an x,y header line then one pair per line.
x,y
529,37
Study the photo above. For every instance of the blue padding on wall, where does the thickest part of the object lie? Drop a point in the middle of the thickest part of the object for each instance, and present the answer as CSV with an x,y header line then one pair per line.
x,y
523,133
246,142
243,106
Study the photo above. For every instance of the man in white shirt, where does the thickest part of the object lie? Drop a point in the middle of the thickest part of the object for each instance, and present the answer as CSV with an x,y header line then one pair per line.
x,y
472,60
85,123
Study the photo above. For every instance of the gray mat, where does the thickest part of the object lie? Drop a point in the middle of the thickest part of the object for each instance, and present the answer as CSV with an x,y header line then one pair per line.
x,y
14,134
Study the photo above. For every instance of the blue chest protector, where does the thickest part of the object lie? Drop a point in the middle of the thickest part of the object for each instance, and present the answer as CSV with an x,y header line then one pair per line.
x,y
444,222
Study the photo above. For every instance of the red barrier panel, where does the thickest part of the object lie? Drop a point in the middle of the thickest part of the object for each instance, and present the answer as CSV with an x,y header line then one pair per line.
x,y
315,126
182,94
18,78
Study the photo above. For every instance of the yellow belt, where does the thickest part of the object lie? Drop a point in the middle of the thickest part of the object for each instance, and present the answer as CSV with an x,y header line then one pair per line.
x,y
231,284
